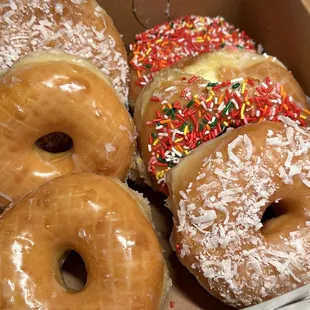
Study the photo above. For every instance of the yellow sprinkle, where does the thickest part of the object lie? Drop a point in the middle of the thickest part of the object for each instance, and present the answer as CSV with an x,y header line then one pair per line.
x,y
303,116
198,38
162,173
208,37
199,41
285,106
159,41
186,152
212,92
242,111
148,51
157,175
169,106
284,94
186,130
210,97
225,123
165,121
248,103
243,88
179,140
307,112
195,96
156,141
197,101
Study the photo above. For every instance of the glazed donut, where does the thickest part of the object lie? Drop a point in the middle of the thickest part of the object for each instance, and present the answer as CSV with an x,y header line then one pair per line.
x,y
218,195
177,111
79,27
164,45
100,218
54,92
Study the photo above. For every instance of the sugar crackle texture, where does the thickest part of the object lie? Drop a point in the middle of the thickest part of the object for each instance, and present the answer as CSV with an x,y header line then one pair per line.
x,y
79,27
218,230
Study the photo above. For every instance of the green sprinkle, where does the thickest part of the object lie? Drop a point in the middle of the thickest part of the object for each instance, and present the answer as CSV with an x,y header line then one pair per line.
x,y
190,103
198,143
161,160
211,84
240,46
205,121
227,108
158,124
154,135
222,45
190,127
171,25
183,126
236,85
148,66
172,112
201,126
213,124
171,165
165,110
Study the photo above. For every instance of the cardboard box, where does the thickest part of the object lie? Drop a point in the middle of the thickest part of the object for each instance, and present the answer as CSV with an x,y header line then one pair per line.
x,y
283,29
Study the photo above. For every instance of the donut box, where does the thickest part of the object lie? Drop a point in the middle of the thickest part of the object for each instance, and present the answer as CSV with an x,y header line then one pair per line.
x,y
216,143
283,30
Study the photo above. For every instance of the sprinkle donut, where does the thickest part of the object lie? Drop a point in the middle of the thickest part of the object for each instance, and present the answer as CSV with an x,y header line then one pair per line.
x,y
104,221
52,92
166,44
79,27
178,111
219,194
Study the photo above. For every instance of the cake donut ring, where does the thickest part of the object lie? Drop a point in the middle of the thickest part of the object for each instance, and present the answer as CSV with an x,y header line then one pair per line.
x,y
177,111
218,195
78,27
185,37
100,218
53,92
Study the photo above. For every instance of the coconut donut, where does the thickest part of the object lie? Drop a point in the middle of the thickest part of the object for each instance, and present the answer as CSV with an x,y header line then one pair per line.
x,y
79,27
100,218
177,111
53,92
185,37
218,195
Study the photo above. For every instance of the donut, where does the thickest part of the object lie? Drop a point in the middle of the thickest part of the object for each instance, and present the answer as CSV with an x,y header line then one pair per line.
x,y
218,196
101,219
185,37
53,93
177,111
78,27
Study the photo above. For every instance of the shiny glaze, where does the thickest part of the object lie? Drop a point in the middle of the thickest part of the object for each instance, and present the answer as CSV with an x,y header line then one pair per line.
x,y
101,219
54,92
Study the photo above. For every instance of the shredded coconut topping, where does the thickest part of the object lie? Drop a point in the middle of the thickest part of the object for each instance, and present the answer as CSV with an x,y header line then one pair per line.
x,y
41,25
222,221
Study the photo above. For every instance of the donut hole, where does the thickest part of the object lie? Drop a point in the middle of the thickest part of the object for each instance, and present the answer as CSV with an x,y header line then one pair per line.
x,y
55,142
73,271
272,214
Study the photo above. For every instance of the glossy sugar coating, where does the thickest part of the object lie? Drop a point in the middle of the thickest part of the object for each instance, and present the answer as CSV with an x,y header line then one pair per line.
x,y
79,27
54,92
100,218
